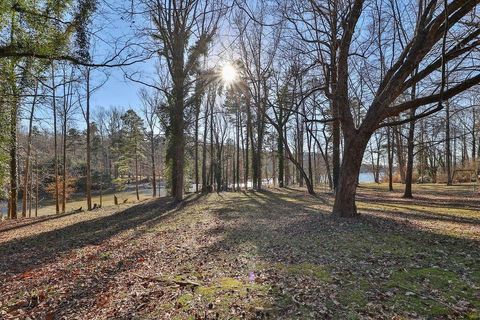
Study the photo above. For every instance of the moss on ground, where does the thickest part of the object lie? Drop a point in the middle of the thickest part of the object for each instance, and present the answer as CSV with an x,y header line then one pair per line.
x,y
318,272
430,291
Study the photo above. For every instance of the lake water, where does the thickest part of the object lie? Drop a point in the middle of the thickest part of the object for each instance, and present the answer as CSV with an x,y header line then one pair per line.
x,y
366,177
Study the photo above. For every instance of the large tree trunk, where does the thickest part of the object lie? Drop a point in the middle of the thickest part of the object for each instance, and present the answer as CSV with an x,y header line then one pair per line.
x,y
354,149
177,147
176,152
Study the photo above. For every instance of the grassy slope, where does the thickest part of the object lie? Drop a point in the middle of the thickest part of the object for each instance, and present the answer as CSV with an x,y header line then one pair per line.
x,y
250,255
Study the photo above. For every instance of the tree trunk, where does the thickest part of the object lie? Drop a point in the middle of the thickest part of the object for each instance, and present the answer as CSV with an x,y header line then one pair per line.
x,y
390,159
204,148
474,139
64,163
354,149
448,152
237,179
55,141
154,168
136,175
197,114
30,194
247,139
13,161
280,152
176,152
212,161
409,172
27,156
89,152
401,160
36,187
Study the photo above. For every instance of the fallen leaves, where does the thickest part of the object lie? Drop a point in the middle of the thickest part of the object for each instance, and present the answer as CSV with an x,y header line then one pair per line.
x,y
237,255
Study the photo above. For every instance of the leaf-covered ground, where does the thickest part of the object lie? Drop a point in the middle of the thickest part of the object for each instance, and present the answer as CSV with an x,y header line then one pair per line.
x,y
276,254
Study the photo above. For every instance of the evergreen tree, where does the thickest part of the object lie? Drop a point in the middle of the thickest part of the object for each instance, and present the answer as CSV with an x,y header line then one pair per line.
x,y
132,142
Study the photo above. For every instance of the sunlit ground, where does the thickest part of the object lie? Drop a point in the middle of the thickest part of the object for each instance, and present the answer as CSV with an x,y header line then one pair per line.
x,y
276,254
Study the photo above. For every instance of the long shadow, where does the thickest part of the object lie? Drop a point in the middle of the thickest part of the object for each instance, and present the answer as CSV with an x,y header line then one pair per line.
x,y
468,204
19,255
424,214
362,252
25,223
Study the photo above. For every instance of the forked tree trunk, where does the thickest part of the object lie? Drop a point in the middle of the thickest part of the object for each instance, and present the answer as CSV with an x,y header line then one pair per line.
x,y
354,149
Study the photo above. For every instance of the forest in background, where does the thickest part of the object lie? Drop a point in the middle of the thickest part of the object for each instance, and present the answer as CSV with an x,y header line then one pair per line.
x,y
242,95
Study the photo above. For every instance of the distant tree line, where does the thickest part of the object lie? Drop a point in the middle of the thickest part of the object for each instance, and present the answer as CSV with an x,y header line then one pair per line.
x,y
321,89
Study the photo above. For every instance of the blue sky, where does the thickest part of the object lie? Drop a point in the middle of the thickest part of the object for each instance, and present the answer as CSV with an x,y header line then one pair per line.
x,y
117,91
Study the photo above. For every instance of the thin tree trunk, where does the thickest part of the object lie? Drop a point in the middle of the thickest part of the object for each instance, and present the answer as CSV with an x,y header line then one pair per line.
x,y
237,180
197,114
247,169
400,158
13,161
89,147
27,156
390,159
36,187
212,159
204,148
154,174
30,194
64,163
136,175
410,154
448,152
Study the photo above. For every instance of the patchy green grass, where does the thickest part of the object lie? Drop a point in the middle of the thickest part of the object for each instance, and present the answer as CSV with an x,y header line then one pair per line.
x,y
275,254
431,291
317,272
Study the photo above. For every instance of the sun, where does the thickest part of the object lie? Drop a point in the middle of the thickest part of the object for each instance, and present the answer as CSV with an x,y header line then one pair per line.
x,y
229,73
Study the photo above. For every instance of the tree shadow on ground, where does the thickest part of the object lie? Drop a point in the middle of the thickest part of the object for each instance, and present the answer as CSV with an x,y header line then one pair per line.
x,y
21,223
29,252
320,266
406,212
